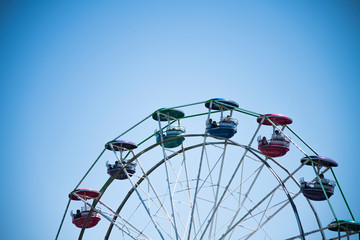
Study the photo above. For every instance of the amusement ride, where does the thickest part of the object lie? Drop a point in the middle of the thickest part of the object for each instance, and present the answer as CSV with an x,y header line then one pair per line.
x,y
212,181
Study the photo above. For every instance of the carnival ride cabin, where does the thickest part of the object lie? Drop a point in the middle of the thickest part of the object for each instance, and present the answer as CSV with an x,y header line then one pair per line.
x,y
277,145
171,137
115,169
79,218
315,190
226,127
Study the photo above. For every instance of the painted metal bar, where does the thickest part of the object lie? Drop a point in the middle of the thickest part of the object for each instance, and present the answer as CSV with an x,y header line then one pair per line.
x,y
322,229
246,197
308,233
198,175
286,192
218,184
247,193
230,180
153,189
343,195
137,124
213,211
102,214
167,177
137,192
187,185
127,222
149,172
83,178
212,187
177,174
186,105
276,212
237,108
62,221
309,202
347,235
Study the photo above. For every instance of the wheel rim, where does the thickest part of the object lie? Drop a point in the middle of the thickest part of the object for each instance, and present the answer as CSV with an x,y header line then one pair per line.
x,y
245,218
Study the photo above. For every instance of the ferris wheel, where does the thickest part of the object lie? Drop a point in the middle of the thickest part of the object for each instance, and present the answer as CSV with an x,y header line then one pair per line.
x,y
212,170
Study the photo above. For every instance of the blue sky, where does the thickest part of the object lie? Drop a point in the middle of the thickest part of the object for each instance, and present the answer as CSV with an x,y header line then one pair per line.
x,y
76,74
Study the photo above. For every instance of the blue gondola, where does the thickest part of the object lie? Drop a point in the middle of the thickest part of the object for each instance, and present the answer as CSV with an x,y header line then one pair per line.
x,y
172,135
314,191
221,104
226,127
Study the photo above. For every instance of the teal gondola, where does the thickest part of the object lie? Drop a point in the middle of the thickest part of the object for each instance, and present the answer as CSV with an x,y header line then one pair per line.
x,y
344,226
171,137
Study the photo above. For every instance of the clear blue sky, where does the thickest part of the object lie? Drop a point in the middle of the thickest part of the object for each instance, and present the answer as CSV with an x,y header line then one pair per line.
x,y
76,74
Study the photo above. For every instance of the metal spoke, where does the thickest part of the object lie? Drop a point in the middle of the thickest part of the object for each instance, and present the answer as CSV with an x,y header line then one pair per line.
x,y
137,192
167,176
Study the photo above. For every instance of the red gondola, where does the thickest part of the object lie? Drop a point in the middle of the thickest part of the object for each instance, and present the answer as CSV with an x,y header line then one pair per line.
x,y
273,148
278,145
277,119
79,218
